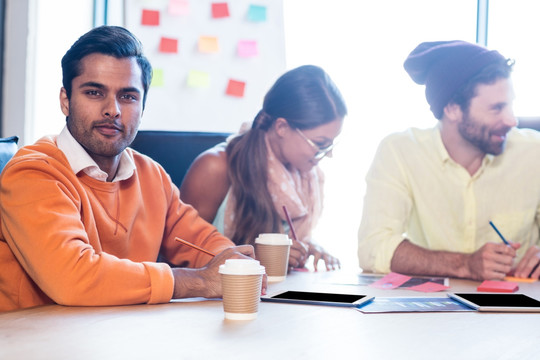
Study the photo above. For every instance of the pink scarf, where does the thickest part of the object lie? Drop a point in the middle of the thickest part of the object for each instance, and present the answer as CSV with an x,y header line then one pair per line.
x,y
301,193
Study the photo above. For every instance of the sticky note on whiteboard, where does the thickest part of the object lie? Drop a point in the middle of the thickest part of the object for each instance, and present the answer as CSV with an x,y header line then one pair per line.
x,y
235,88
168,45
208,44
158,79
178,7
150,17
257,13
220,10
247,48
198,79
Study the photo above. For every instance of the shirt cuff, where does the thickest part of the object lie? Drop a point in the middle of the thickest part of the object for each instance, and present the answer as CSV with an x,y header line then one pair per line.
x,y
161,282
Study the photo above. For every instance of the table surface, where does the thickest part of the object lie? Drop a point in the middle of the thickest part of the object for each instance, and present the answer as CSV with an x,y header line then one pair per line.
x,y
196,329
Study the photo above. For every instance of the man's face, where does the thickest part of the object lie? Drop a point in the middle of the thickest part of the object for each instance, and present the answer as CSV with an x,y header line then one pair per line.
x,y
105,108
489,117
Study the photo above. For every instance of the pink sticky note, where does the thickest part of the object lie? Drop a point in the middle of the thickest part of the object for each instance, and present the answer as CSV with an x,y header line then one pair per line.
x,y
168,45
247,48
235,88
498,286
150,17
391,281
429,286
179,7
220,10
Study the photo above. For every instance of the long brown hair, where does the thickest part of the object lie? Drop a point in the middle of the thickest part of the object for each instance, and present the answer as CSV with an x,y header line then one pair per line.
x,y
307,98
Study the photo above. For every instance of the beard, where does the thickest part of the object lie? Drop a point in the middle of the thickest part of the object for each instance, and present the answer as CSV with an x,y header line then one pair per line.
x,y
489,140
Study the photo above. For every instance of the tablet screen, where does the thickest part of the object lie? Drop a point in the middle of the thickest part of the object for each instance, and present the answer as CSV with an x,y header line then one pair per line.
x,y
317,296
499,301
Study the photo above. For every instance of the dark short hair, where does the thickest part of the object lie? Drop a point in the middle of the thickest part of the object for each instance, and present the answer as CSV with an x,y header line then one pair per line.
x,y
108,40
488,75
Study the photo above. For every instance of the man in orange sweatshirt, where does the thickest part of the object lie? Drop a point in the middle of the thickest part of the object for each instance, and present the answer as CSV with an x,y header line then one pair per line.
x,y
84,217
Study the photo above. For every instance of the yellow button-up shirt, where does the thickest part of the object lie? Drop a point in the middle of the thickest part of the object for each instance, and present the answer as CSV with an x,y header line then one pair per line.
x,y
416,191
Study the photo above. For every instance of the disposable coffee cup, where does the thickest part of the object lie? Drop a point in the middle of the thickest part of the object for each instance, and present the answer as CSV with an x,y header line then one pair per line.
x,y
241,282
272,250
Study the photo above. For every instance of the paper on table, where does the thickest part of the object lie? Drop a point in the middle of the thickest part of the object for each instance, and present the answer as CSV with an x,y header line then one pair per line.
x,y
429,287
406,304
391,281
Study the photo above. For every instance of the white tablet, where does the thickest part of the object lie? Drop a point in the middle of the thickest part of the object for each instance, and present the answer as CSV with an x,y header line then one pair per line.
x,y
498,302
318,298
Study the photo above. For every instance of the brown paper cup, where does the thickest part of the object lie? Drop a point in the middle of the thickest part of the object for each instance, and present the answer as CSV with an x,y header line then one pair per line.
x,y
241,282
241,296
275,258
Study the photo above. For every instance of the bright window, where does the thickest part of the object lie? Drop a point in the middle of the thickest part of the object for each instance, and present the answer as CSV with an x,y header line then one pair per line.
x,y
362,45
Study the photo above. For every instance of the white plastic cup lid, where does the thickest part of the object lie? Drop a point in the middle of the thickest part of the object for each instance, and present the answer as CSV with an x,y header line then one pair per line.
x,y
241,267
273,239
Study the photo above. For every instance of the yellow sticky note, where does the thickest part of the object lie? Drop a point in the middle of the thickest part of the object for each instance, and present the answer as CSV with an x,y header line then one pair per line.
x,y
158,78
198,79
208,44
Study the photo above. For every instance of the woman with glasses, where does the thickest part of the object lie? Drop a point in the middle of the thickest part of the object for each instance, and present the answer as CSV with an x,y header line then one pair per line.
x,y
243,185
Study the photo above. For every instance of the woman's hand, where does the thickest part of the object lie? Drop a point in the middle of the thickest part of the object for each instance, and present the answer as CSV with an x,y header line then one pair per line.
x,y
298,254
332,263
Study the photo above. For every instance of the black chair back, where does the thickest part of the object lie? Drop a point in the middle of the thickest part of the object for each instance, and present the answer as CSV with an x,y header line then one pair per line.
x,y
175,150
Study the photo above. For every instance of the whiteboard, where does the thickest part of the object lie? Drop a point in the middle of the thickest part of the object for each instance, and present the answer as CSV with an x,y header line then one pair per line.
x,y
174,102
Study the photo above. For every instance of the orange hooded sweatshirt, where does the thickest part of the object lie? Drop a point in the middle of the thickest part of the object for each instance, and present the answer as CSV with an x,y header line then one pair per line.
x,y
69,239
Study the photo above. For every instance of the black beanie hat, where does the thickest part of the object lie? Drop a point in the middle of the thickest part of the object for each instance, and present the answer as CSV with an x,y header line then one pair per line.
x,y
445,66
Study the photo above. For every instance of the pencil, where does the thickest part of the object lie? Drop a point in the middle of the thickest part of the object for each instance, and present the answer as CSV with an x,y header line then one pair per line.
x,y
290,223
194,246
498,232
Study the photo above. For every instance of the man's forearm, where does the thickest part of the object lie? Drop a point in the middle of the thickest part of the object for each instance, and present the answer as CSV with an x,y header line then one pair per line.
x,y
414,260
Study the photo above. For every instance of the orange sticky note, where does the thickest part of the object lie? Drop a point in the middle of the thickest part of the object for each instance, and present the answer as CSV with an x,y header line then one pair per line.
x,y
168,45
498,286
150,17
208,44
235,88
220,10
523,280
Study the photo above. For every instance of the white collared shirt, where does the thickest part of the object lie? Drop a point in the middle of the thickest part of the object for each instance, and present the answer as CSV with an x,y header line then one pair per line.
x,y
80,160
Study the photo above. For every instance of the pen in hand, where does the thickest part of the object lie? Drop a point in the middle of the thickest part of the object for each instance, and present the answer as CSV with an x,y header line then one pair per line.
x,y
194,246
287,216
499,233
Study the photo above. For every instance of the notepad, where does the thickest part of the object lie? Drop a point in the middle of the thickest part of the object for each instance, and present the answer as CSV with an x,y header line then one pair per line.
x,y
498,286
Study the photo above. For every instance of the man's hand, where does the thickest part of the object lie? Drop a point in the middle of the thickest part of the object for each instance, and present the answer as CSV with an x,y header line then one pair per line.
x,y
528,266
206,281
492,261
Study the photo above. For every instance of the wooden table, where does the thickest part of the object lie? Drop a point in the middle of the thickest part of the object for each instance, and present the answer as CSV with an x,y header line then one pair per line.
x,y
196,329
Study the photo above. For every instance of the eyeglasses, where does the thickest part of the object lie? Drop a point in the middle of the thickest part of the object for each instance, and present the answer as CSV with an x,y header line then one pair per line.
x,y
321,151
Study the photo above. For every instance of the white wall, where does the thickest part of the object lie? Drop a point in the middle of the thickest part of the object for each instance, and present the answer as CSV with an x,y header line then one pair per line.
x,y
15,104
